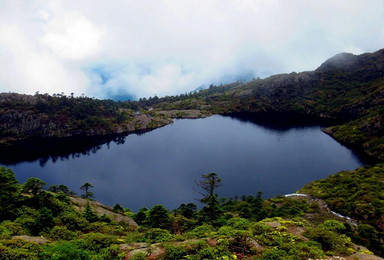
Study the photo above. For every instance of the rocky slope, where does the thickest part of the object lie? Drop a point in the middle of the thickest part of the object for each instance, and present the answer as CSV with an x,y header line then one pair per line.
x,y
24,116
346,88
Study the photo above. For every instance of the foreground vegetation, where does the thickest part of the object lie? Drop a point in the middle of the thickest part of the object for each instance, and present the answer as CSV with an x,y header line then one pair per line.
x,y
38,224
358,194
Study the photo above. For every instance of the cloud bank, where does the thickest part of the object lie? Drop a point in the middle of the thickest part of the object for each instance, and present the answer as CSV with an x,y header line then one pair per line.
x,y
136,48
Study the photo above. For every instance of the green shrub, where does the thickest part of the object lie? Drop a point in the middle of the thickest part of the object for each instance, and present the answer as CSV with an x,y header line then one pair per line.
x,y
95,241
333,225
64,250
306,250
331,241
260,228
238,223
135,236
18,249
7,253
206,253
62,233
174,252
112,229
139,256
157,235
274,254
9,228
204,230
73,221
226,231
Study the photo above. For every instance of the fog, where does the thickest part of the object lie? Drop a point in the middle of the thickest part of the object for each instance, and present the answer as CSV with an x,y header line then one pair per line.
x,y
130,49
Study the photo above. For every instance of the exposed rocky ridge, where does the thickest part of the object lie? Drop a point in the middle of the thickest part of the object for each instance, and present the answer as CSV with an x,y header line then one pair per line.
x,y
79,204
24,116
348,88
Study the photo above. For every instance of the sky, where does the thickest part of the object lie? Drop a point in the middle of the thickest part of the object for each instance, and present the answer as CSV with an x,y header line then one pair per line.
x,y
140,48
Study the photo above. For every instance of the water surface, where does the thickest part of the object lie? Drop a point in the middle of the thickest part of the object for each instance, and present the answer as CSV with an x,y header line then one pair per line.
x,y
161,166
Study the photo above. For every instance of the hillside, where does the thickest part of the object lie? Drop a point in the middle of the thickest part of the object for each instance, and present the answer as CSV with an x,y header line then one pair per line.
x,y
347,91
346,88
54,224
59,116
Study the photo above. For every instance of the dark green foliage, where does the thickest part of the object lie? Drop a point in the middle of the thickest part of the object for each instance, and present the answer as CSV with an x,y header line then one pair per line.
x,y
86,186
44,221
64,250
9,193
89,214
156,235
18,250
141,216
357,193
118,208
368,236
330,240
289,207
60,188
105,218
53,188
95,241
86,236
181,224
203,230
33,186
187,210
158,217
139,256
249,207
174,252
212,211
73,221
62,233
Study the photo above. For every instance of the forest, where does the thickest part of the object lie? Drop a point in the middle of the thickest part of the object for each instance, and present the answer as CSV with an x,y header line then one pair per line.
x,y
51,224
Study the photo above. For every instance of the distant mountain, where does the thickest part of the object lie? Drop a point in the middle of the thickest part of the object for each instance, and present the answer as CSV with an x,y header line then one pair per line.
x,y
347,88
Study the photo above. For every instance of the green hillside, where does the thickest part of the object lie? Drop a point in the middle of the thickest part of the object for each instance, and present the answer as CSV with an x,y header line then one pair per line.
x,y
346,90
39,224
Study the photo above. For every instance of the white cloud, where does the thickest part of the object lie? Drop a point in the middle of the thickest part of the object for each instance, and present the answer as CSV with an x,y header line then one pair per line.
x,y
169,47
72,37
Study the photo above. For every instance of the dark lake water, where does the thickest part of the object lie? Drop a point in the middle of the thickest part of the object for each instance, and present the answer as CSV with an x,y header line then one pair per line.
x,y
161,166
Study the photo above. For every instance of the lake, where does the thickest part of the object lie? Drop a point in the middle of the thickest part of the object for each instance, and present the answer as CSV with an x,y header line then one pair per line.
x,y
162,166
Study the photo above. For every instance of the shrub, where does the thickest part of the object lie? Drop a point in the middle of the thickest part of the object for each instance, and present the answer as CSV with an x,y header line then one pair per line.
x,y
139,256
204,230
331,241
64,250
95,241
274,254
156,235
9,228
260,228
174,252
73,221
62,233
18,249
238,223
333,225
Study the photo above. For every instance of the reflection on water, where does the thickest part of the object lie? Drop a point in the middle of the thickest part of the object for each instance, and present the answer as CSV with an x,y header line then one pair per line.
x,y
162,166
278,121
46,149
